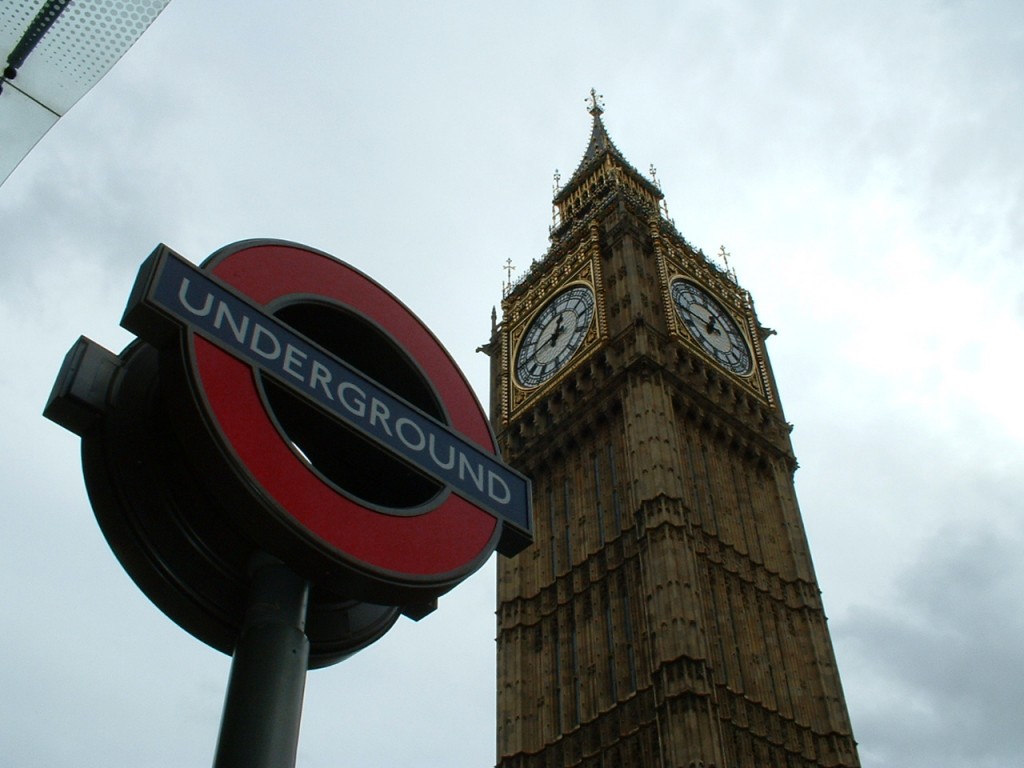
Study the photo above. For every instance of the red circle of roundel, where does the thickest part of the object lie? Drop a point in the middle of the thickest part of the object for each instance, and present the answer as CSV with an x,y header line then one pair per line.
x,y
440,541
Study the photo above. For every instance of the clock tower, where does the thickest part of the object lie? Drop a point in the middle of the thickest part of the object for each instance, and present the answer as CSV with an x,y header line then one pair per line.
x,y
667,615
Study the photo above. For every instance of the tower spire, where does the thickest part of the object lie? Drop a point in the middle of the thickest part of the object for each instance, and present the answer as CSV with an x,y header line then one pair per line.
x,y
599,141
602,165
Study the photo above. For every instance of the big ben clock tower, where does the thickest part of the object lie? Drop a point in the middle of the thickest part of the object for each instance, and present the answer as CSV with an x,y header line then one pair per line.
x,y
667,615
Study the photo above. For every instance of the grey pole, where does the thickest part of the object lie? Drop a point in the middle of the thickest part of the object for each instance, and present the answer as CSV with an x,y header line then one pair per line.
x,y
263,705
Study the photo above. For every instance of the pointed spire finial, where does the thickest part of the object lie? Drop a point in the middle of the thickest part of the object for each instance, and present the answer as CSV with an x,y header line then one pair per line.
x,y
724,256
596,102
506,286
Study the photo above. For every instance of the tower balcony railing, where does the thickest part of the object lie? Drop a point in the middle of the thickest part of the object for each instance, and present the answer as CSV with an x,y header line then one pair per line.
x,y
586,206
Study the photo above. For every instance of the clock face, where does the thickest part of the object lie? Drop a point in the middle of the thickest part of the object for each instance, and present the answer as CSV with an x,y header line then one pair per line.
x,y
554,336
711,326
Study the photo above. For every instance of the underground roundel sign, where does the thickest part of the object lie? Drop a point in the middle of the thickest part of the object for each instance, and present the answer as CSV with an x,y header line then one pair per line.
x,y
363,451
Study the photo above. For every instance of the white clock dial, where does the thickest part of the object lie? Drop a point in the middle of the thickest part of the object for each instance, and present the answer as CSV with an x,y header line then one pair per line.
x,y
712,326
554,336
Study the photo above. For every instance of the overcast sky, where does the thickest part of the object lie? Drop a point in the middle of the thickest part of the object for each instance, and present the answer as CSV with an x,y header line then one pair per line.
x,y
861,162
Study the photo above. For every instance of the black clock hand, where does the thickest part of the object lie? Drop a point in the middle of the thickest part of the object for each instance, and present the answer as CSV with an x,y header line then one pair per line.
x,y
709,321
558,331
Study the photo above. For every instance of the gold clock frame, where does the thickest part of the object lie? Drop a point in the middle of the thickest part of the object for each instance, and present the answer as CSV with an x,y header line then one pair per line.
x,y
583,267
681,265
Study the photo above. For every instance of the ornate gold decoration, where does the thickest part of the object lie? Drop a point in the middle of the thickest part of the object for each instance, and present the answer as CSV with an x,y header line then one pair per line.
x,y
581,267
676,261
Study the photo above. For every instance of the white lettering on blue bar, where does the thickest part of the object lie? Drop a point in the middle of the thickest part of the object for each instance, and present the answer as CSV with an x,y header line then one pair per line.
x,y
192,297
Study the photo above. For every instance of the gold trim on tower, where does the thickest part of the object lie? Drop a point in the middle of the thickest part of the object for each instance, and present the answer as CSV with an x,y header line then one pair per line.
x,y
581,268
680,264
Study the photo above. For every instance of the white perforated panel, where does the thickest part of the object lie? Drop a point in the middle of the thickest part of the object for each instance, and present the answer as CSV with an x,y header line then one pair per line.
x,y
84,42
90,37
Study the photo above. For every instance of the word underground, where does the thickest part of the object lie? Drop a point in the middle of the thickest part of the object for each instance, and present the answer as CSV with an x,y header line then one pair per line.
x,y
200,302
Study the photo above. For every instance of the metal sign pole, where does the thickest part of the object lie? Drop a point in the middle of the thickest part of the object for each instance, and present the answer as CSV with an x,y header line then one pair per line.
x,y
263,705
